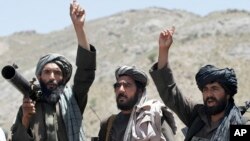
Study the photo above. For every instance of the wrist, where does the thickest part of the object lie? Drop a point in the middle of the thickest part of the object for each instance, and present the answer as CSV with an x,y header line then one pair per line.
x,y
25,121
163,51
78,25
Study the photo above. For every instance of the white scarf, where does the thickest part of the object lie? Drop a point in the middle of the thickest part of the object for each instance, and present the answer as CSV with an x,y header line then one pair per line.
x,y
145,121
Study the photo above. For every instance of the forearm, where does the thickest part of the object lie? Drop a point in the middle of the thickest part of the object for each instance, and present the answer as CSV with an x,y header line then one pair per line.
x,y
162,58
81,37
19,132
85,74
25,122
170,93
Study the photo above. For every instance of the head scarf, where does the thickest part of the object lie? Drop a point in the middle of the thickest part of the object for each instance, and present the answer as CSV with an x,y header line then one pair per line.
x,y
60,60
140,113
226,77
133,72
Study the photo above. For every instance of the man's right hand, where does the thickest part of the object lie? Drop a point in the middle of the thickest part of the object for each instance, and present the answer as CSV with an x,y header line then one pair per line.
x,y
165,41
29,109
77,14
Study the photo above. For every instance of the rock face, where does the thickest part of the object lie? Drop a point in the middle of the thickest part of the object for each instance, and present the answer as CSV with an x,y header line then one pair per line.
x,y
131,38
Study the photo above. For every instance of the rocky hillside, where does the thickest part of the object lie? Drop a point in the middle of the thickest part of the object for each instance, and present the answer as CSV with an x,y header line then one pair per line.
x,y
131,38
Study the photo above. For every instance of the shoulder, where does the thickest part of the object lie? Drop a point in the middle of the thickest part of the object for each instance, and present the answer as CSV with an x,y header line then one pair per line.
x,y
105,127
197,112
108,119
199,109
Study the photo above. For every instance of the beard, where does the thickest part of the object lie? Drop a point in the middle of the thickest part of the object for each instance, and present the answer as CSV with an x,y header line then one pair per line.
x,y
213,110
46,89
126,105
51,95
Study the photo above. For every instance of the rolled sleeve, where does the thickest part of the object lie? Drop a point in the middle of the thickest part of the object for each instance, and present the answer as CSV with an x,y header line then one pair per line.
x,y
19,132
86,59
162,76
170,93
85,75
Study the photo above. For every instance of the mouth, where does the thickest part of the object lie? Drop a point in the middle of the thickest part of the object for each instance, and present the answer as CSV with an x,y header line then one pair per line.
x,y
51,86
122,98
211,102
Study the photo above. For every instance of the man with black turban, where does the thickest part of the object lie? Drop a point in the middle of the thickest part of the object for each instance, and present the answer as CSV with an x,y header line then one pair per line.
x,y
140,119
57,114
206,122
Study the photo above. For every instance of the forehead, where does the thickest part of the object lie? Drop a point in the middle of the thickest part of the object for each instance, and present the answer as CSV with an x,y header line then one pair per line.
x,y
126,78
51,66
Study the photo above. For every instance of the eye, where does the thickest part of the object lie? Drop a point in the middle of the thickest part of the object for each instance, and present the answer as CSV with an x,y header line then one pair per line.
x,y
117,85
46,72
127,85
58,72
215,89
205,89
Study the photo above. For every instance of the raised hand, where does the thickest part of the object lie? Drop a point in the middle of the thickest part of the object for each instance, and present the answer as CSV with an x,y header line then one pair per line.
x,y
165,39
77,14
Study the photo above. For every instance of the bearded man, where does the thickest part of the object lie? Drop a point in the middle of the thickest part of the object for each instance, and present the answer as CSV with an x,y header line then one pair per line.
x,y
208,121
140,119
57,114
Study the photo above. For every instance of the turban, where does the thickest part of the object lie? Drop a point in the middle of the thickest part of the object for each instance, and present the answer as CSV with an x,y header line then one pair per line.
x,y
133,72
209,74
60,60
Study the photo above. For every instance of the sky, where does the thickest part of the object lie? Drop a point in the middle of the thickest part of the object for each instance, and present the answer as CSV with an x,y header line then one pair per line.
x,y
45,16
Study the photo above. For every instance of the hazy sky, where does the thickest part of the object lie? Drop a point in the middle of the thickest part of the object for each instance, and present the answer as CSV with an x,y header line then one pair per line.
x,y
49,15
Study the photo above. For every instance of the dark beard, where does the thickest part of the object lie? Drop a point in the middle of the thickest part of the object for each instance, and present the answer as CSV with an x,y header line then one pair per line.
x,y
129,104
51,96
222,103
44,89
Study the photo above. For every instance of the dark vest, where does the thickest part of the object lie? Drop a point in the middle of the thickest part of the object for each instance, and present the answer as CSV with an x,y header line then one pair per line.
x,y
195,124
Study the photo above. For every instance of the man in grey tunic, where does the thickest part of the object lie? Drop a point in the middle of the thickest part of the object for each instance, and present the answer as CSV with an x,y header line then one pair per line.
x,y
57,115
208,121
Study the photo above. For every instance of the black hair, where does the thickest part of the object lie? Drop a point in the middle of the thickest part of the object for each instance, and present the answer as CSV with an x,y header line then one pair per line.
x,y
139,85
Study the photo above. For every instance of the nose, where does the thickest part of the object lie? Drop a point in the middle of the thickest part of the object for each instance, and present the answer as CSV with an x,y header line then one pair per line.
x,y
208,93
121,89
52,76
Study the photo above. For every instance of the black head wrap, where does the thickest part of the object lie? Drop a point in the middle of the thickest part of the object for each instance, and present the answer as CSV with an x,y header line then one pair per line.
x,y
226,77
133,72
60,60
